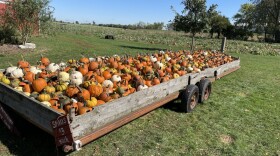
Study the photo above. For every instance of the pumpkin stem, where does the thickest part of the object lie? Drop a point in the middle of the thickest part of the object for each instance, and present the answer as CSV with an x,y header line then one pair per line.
x,y
80,89
22,57
10,64
41,55
61,105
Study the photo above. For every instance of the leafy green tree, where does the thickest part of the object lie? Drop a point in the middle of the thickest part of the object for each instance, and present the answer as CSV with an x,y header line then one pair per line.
x,y
193,18
268,16
245,19
216,22
219,23
212,13
26,16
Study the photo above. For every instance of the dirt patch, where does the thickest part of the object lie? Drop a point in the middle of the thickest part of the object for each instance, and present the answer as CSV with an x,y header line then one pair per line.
x,y
226,139
7,49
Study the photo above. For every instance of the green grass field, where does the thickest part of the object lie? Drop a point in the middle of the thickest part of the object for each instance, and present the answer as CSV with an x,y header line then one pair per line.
x,y
240,118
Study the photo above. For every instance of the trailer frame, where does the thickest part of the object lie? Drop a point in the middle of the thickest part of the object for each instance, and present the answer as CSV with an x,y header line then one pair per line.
x,y
77,131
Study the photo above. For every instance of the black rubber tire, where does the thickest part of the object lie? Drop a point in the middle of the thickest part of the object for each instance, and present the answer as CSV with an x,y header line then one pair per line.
x,y
205,88
189,98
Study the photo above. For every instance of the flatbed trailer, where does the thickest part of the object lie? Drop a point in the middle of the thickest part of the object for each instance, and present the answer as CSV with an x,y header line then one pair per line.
x,y
72,132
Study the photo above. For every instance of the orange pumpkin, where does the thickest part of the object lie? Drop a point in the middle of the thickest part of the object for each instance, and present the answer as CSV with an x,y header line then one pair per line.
x,y
45,61
100,102
99,79
83,110
88,75
27,88
95,90
83,95
104,96
84,60
83,69
22,63
39,84
156,81
93,66
114,64
29,76
71,91
107,75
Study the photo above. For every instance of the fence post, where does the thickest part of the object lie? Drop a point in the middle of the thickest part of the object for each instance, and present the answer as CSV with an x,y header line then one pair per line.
x,y
223,45
193,45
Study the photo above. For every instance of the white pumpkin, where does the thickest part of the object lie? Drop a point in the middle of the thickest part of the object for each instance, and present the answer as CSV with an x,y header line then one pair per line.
x,y
190,69
10,69
153,59
76,82
205,53
76,75
197,70
159,65
62,65
46,103
167,58
116,78
161,52
142,87
190,57
20,89
74,100
91,59
107,84
63,76
53,67
17,73
35,70
27,93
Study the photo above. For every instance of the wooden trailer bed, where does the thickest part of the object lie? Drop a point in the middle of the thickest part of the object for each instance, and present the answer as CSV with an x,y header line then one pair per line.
x,y
72,132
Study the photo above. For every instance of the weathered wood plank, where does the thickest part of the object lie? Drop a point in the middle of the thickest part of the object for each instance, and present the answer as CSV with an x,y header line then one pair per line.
x,y
223,68
210,72
118,108
28,108
126,119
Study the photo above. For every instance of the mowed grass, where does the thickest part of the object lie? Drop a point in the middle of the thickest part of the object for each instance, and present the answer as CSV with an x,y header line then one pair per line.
x,y
240,118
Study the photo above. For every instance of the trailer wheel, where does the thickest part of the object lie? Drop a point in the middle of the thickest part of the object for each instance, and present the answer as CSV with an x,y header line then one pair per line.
x,y
205,88
189,98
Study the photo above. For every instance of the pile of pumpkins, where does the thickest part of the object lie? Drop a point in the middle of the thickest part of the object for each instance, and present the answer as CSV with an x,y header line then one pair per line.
x,y
88,82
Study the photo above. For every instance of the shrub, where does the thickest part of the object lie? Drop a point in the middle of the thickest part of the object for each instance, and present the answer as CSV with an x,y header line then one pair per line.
x,y
8,35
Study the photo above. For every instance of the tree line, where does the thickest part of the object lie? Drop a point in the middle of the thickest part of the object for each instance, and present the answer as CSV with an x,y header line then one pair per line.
x,y
139,25
259,16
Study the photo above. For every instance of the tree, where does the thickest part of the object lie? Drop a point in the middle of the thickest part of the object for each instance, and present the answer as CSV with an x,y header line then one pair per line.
x,y
219,23
245,16
26,15
192,19
216,21
269,11
212,13
245,19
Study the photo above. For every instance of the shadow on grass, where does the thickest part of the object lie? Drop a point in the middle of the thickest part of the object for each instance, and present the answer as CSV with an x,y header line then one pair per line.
x,y
173,106
33,141
142,48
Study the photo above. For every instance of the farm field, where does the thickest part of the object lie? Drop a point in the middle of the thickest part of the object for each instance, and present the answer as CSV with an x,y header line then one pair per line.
x,y
240,118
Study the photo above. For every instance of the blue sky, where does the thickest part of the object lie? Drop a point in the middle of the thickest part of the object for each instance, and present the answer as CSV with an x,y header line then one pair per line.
x,y
129,11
